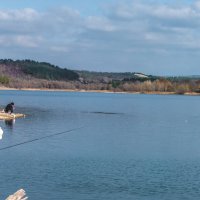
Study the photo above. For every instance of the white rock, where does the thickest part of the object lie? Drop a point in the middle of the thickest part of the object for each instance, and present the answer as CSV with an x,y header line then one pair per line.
x,y
1,133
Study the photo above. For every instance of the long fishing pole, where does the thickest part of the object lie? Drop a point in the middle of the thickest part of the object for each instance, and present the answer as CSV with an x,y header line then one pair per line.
x,y
41,138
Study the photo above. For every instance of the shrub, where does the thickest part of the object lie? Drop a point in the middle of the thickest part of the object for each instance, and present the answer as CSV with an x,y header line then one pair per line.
x,y
4,80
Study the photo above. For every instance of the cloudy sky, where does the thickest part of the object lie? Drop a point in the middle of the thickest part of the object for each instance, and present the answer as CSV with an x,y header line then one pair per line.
x,y
151,36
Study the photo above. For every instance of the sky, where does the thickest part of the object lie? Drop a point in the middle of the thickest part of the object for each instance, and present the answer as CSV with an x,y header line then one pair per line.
x,y
156,37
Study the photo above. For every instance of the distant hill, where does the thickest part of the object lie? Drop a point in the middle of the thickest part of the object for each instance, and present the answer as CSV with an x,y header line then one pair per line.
x,y
40,70
106,77
42,75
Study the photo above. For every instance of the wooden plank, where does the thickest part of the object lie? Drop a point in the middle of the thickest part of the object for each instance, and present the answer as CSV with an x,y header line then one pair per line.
x,y
19,195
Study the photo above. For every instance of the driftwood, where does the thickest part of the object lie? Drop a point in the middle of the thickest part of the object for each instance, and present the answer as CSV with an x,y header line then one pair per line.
x,y
7,116
19,195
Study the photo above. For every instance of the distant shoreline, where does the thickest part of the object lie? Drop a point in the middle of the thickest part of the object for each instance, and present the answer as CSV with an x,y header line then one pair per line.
x,y
99,91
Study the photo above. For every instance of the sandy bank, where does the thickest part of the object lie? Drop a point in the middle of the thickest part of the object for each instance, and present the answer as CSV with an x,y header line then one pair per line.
x,y
100,91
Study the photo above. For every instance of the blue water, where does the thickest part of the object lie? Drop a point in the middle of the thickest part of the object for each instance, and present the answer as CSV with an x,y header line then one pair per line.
x,y
143,147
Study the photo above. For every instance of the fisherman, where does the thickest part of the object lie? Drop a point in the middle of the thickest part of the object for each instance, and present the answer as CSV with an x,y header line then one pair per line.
x,y
9,108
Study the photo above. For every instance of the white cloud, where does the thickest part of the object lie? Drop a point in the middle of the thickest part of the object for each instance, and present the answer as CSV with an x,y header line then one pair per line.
x,y
99,24
126,32
20,41
27,41
26,14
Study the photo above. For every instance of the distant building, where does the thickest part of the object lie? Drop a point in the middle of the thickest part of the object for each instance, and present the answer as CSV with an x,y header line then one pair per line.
x,y
140,75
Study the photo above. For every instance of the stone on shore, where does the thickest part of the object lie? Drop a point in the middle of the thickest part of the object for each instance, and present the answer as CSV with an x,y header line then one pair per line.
x,y
19,195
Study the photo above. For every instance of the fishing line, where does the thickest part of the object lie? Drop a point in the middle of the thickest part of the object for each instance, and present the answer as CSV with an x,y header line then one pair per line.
x,y
41,138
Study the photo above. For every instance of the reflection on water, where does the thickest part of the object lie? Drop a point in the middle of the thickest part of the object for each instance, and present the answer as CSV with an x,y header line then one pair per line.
x,y
107,113
104,113
10,123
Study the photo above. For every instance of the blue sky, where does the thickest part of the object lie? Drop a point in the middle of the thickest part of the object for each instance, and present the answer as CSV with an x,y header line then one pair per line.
x,y
86,7
153,37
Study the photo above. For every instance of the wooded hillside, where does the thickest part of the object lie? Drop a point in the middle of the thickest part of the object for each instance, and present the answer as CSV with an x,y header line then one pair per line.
x,y
32,74
41,70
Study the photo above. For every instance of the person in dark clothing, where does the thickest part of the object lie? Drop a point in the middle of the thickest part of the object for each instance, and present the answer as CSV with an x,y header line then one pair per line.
x,y
9,108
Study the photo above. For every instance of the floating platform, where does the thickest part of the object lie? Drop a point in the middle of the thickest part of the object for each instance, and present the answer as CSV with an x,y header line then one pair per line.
x,y
7,116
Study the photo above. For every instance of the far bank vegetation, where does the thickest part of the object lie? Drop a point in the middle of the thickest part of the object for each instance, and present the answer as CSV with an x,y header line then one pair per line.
x,y
40,75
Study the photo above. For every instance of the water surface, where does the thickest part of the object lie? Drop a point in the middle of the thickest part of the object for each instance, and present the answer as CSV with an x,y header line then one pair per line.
x,y
144,147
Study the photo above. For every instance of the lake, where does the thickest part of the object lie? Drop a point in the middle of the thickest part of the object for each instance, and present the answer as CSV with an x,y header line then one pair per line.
x,y
123,146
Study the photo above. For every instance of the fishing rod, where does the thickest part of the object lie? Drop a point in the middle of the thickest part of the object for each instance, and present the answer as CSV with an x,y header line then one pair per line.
x,y
40,138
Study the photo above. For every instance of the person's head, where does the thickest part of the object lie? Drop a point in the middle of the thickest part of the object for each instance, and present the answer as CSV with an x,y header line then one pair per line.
x,y
12,103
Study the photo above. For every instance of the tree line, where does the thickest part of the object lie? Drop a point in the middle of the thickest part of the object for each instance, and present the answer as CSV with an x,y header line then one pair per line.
x,y
157,86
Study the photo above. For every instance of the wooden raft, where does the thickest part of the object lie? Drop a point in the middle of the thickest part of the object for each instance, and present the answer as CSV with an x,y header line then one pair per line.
x,y
7,116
